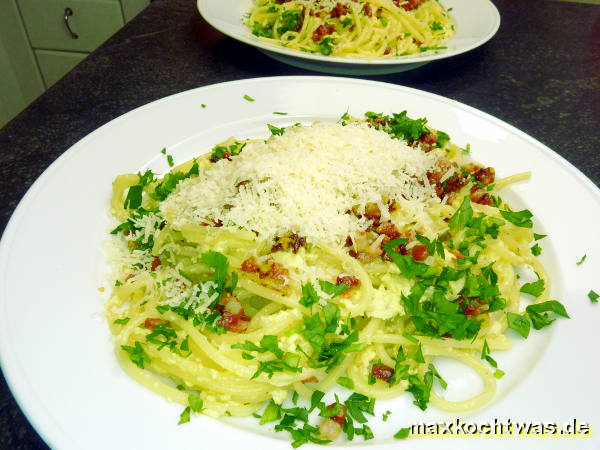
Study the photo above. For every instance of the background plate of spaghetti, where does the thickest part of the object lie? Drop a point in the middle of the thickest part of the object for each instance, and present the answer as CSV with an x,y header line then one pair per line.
x,y
66,368
356,38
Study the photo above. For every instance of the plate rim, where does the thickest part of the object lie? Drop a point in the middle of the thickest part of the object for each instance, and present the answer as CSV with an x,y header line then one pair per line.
x,y
37,415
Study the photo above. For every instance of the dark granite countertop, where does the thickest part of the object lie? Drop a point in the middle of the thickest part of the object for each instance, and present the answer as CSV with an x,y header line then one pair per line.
x,y
540,73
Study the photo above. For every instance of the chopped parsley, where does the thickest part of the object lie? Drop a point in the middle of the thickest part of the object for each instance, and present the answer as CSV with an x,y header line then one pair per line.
x,y
325,46
403,433
518,218
248,98
275,131
518,323
399,126
332,289
485,354
171,180
261,31
137,355
134,197
309,295
538,313
581,260
122,321
346,382
535,288
290,20
462,216
593,296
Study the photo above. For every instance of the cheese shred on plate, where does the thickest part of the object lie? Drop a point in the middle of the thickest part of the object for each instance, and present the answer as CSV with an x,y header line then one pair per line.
x,y
307,181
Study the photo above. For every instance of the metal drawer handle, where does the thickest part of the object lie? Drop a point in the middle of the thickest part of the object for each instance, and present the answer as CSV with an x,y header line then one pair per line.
x,y
69,13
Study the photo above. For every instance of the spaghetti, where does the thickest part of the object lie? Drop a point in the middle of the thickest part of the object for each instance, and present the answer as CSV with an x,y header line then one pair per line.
x,y
353,29
352,253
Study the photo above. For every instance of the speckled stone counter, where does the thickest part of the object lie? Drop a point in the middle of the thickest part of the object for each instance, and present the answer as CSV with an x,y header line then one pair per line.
x,y
540,73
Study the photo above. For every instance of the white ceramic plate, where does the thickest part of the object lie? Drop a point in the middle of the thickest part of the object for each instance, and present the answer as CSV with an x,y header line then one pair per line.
x,y
55,347
476,22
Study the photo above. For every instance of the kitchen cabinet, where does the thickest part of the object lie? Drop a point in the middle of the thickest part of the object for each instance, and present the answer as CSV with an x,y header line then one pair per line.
x,y
41,41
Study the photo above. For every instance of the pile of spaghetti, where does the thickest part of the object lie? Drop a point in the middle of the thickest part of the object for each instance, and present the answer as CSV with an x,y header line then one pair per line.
x,y
352,29
352,254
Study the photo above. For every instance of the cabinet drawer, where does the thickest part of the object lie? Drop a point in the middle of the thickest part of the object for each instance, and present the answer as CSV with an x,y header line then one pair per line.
x,y
93,21
54,65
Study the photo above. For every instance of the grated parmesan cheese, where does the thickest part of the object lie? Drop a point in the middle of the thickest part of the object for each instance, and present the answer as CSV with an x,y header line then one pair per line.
x,y
305,181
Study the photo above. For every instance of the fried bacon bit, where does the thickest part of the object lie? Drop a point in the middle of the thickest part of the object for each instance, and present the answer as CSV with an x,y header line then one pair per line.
x,y
276,272
232,317
479,195
348,280
348,242
321,31
126,232
363,257
419,252
339,10
250,265
373,213
297,242
390,231
242,183
149,323
293,241
340,417
379,12
456,253
368,10
427,142
155,263
382,372
408,5
312,379
485,175
387,51
472,306
329,429
448,186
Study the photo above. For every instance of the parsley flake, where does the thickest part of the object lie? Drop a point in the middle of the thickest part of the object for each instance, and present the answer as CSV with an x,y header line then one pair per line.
x,y
536,288
518,218
403,433
518,323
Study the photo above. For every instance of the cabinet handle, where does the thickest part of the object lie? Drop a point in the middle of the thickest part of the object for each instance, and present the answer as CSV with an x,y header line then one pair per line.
x,y
69,13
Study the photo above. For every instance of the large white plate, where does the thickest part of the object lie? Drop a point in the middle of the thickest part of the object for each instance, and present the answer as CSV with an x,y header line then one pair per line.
x,y
55,348
476,22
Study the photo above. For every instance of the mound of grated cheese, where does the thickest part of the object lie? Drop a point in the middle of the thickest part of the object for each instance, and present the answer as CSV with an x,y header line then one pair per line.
x,y
305,181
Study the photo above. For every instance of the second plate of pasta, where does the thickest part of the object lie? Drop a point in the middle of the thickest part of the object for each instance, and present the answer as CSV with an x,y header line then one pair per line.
x,y
360,38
